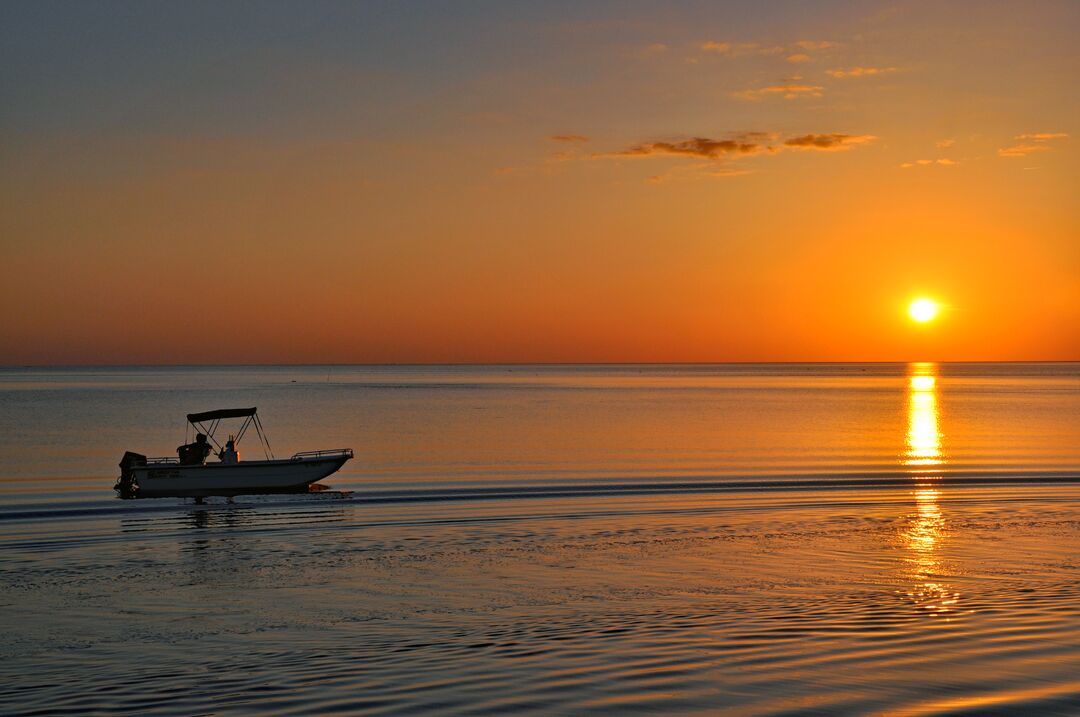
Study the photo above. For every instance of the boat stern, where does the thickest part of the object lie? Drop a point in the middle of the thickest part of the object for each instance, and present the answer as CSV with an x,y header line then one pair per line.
x,y
126,485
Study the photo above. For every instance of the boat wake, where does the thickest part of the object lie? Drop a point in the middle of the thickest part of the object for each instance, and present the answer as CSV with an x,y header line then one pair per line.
x,y
318,494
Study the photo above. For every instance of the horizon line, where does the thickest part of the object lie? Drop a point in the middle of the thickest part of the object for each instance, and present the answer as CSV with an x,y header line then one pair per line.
x,y
523,363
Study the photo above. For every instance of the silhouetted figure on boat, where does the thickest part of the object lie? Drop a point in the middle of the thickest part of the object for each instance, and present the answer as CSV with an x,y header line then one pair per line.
x,y
194,454
229,454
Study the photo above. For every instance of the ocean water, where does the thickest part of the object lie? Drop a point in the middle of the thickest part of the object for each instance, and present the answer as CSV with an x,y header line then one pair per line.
x,y
716,539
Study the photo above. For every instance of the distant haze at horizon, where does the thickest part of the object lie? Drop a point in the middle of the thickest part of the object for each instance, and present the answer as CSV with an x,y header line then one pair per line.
x,y
514,183
512,365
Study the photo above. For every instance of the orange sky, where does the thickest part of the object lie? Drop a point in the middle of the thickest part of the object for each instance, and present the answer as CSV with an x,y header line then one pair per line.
x,y
515,183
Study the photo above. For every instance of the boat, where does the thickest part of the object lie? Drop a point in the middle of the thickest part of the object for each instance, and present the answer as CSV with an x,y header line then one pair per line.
x,y
191,475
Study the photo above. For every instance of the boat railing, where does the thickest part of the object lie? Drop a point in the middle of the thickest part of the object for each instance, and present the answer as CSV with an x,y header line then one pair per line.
x,y
331,453
168,460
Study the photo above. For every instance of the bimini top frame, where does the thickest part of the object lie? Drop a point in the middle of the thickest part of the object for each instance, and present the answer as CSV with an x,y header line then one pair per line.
x,y
208,421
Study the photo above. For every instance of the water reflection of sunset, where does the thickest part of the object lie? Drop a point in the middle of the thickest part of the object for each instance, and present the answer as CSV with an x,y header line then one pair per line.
x,y
923,436
926,530
922,540
926,527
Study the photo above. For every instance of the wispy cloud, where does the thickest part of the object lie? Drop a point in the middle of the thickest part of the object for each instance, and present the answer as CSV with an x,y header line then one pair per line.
x,y
739,145
841,73
794,52
1022,150
788,91
945,143
930,163
816,45
739,49
1043,136
703,147
698,171
568,138
727,172
1031,143
828,142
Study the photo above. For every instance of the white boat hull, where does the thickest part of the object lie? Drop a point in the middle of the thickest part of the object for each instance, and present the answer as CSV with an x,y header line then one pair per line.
x,y
229,479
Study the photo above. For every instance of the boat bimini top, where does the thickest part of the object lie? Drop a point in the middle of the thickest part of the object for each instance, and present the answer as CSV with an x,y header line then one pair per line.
x,y
208,422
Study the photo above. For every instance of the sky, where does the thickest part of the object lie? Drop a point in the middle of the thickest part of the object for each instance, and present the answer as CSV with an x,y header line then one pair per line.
x,y
438,182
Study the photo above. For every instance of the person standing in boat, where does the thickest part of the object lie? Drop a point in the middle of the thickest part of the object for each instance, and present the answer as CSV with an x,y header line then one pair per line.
x,y
229,454
194,454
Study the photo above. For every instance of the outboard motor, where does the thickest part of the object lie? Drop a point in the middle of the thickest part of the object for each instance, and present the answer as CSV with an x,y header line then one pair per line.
x,y
126,485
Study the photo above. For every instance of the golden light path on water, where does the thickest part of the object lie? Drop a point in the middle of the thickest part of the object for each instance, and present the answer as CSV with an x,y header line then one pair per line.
x,y
925,458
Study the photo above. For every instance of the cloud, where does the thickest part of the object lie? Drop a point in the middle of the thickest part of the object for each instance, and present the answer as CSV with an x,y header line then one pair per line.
x,y
565,156
728,172
945,143
757,136
840,73
828,142
568,138
723,48
1022,150
795,52
703,147
1043,136
816,45
787,91
713,46
929,163
739,49
737,145
697,171
1030,143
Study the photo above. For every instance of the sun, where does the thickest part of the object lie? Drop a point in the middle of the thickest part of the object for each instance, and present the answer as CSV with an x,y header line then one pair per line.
x,y
923,310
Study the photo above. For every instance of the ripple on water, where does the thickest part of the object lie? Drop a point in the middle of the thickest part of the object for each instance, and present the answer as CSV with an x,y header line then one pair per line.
x,y
764,607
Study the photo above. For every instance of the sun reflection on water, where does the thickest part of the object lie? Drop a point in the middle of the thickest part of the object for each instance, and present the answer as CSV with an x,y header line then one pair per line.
x,y
925,529
923,436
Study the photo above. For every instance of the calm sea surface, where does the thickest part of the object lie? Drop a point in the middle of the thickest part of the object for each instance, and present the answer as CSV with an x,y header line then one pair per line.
x,y
716,539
